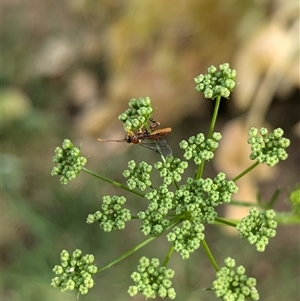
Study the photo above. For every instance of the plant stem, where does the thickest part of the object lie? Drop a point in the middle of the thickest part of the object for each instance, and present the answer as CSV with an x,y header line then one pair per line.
x,y
112,182
209,254
210,132
287,218
273,199
137,247
176,185
126,254
200,170
242,204
214,117
225,222
168,256
245,171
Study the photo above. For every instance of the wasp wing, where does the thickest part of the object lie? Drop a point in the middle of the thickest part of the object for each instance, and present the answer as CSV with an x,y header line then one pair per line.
x,y
159,146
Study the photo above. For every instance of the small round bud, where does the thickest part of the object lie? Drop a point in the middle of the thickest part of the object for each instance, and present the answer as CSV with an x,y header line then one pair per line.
x,y
212,70
263,131
229,262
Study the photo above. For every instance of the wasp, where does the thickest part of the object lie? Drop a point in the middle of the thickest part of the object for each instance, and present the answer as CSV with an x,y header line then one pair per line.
x,y
153,140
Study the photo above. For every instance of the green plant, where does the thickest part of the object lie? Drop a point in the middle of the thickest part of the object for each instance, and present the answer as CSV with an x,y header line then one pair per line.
x,y
177,210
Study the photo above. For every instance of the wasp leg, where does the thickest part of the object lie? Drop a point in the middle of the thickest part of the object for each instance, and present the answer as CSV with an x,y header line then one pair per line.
x,y
153,123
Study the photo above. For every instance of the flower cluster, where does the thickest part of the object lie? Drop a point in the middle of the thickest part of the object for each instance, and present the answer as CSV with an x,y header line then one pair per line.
x,y
197,199
138,175
258,227
154,219
194,203
180,211
69,162
199,149
74,272
152,280
171,170
137,115
268,148
234,285
112,216
216,83
186,239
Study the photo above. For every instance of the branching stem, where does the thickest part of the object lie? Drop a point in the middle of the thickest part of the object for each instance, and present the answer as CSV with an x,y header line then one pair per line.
x,y
117,184
209,254
245,171
210,132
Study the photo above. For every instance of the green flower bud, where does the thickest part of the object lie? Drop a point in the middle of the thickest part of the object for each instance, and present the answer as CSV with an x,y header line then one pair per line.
x,y
90,219
198,79
135,123
263,131
67,144
229,262
212,70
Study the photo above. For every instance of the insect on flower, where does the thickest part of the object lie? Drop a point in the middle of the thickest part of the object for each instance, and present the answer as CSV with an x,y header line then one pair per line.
x,y
153,140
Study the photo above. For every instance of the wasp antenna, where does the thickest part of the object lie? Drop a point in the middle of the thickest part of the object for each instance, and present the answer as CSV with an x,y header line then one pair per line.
x,y
101,140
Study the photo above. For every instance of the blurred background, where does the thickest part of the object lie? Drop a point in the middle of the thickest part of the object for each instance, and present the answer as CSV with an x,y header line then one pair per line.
x,y
69,69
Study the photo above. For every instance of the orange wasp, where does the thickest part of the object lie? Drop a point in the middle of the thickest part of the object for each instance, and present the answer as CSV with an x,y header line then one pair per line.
x,y
152,140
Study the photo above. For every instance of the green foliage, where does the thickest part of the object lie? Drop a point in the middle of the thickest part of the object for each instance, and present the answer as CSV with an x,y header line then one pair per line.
x,y
181,208
69,162
151,279
138,176
171,169
200,149
258,227
216,83
234,284
74,272
269,148
137,115
112,216
187,238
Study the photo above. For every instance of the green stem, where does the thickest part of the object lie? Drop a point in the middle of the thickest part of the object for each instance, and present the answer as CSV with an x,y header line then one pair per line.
x,y
214,117
287,218
210,132
112,182
209,254
126,254
225,222
200,170
137,247
242,204
273,199
176,185
245,171
168,256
